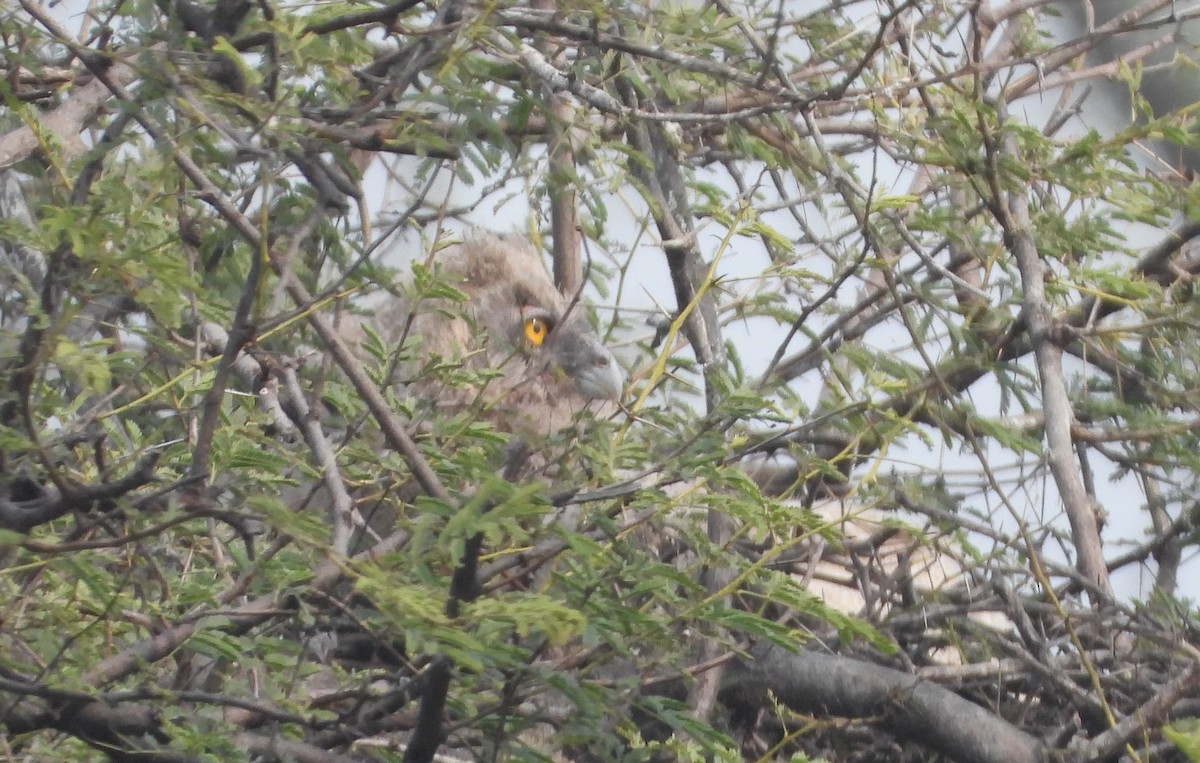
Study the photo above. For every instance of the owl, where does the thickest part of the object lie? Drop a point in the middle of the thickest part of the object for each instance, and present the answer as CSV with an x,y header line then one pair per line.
x,y
539,359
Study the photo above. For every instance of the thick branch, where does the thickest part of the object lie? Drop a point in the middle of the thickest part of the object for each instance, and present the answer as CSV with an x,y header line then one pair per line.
x,y
1045,337
64,122
23,516
560,180
905,705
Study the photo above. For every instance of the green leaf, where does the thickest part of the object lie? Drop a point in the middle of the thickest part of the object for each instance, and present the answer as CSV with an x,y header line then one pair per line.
x,y
1185,735
86,367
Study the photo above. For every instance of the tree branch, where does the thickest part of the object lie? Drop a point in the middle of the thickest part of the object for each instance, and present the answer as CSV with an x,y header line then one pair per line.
x,y
1045,335
905,705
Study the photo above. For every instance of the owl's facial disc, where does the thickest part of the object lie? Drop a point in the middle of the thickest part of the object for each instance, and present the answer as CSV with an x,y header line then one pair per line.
x,y
576,350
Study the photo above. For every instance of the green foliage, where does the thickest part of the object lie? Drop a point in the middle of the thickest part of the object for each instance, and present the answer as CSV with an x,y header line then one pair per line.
x,y
841,192
1185,734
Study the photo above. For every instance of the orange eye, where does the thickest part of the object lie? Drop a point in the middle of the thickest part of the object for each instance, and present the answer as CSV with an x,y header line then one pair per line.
x,y
536,330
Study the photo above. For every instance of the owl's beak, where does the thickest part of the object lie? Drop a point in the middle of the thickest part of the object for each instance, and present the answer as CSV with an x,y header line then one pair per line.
x,y
599,377
581,355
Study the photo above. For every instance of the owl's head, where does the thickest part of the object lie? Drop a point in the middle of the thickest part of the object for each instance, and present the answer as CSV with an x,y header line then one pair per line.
x,y
550,363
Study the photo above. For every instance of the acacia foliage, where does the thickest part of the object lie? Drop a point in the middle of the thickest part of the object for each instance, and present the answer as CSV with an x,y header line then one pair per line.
x,y
949,264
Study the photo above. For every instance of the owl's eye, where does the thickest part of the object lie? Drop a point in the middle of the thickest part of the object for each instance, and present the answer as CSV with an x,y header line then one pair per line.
x,y
536,330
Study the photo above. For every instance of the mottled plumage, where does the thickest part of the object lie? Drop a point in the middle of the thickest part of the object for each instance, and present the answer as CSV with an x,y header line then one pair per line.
x,y
551,363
